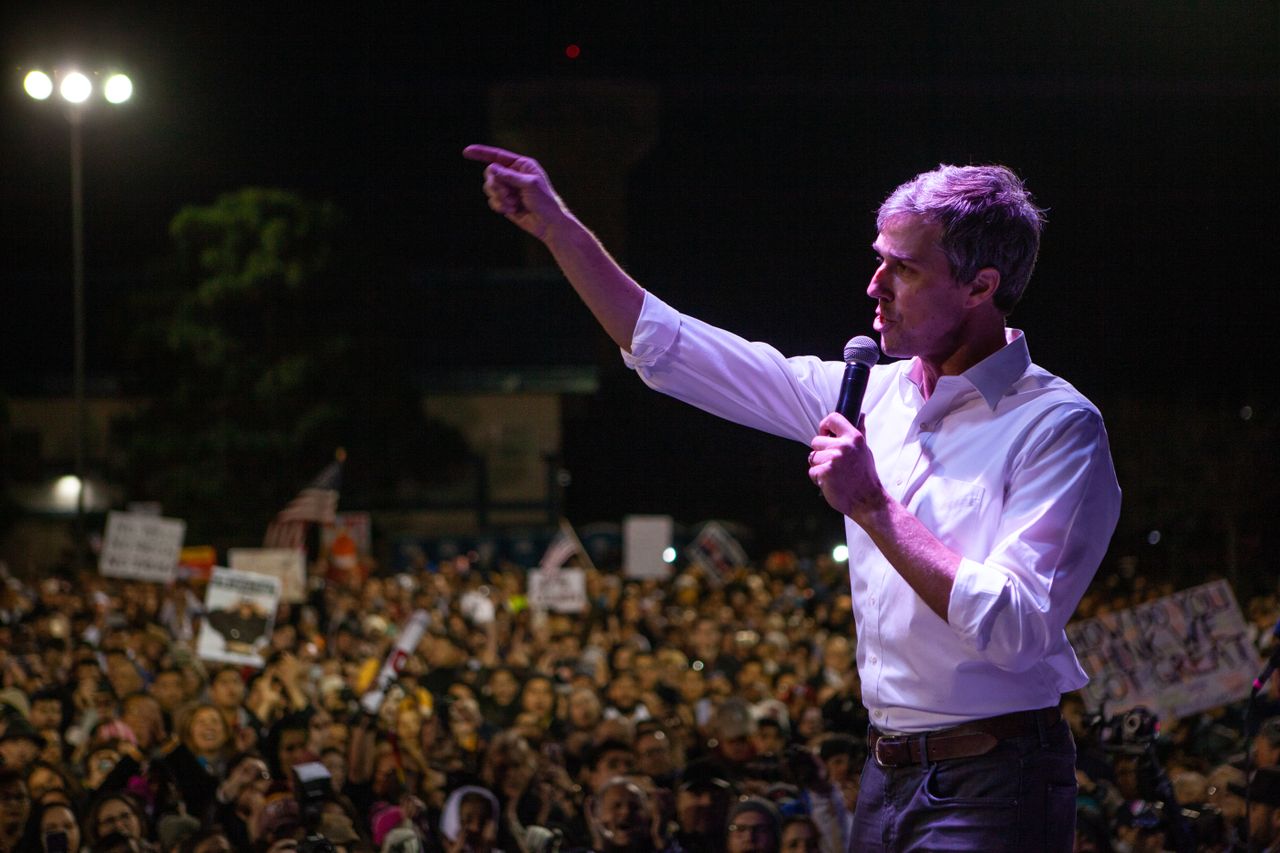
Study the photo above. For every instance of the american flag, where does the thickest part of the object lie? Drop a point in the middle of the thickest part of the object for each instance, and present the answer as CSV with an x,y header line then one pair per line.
x,y
316,503
564,546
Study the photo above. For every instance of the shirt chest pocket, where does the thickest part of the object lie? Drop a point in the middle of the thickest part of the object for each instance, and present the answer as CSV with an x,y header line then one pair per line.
x,y
951,510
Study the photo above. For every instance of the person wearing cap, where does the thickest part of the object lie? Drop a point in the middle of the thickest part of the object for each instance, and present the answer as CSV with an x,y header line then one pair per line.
x,y
977,491
703,796
754,826
20,744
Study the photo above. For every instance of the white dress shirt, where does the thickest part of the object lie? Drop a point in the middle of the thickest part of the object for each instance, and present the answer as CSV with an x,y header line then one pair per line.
x,y
1006,464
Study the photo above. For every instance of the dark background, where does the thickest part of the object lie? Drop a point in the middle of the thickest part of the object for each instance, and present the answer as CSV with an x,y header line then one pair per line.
x,y
1149,129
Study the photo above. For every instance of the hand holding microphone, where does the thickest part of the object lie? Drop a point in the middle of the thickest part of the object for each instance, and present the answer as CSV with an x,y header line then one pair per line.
x,y
840,464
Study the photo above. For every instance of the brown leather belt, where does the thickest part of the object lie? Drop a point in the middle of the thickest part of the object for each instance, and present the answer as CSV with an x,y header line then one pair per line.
x,y
977,737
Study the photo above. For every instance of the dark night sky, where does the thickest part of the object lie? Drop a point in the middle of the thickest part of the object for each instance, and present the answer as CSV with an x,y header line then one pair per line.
x,y
1150,129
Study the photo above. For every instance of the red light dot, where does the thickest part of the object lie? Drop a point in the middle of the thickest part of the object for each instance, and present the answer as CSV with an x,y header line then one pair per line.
x,y
573,51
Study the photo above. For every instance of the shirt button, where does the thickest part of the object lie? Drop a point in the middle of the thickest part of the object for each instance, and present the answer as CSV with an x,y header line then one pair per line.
x,y
872,600
874,659
879,715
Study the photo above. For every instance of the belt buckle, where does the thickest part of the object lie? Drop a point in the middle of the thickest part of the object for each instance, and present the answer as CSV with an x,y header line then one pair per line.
x,y
875,753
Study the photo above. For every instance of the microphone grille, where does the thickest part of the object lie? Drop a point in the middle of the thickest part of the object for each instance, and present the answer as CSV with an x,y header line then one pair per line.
x,y
861,350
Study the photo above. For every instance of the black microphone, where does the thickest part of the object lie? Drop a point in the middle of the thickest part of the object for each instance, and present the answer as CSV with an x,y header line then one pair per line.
x,y
859,355
1272,663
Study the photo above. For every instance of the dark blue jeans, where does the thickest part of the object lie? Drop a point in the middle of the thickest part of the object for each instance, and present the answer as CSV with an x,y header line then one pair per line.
x,y
1019,797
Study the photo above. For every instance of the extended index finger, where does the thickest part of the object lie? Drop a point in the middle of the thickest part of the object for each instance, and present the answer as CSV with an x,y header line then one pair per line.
x,y
490,154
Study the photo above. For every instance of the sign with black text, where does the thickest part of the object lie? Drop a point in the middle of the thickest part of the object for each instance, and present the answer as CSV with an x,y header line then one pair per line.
x,y
141,547
1177,655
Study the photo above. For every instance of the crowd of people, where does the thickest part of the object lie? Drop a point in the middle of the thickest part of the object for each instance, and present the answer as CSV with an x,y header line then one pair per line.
x,y
700,713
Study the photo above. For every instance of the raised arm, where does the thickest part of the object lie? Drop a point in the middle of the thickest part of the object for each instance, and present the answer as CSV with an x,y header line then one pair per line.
x,y
518,188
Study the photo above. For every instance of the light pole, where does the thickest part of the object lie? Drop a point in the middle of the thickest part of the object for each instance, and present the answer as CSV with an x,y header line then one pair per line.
x,y
76,89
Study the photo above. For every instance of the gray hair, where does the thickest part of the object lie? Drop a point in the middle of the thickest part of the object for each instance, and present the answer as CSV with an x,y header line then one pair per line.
x,y
987,217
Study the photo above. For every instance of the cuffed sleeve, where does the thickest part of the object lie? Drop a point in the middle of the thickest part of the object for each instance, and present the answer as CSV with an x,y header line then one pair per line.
x,y
1012,606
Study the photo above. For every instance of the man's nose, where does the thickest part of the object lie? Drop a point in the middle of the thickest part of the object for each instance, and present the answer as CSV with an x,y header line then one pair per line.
x,y
876,288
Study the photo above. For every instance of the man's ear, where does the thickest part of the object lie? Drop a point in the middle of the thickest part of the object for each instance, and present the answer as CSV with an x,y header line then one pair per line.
x,y
983,287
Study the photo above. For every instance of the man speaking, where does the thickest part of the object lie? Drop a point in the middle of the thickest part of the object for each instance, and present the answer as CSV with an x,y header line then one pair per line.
x,y
977,489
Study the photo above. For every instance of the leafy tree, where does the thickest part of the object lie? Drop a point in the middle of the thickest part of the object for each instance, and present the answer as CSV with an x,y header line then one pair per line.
x,y
258,358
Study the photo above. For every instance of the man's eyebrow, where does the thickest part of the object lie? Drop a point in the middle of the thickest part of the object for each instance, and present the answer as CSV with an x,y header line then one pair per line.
x,y
889,255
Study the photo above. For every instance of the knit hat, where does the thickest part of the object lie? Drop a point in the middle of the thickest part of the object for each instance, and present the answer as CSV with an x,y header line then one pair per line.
x,y
450,820
384,819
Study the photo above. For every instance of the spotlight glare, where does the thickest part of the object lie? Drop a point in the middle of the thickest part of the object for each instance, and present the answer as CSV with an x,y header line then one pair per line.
x,y
118,88
668,555
66,489
840,553
38,85
75,88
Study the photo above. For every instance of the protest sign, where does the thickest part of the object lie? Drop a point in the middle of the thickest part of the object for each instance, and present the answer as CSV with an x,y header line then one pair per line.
x,y
558,590
716,552
287,564
240,610
644,540
407,640
141,547
1177,655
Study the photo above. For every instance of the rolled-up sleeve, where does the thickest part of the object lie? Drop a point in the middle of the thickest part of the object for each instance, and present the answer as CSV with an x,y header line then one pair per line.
x,y
1059,511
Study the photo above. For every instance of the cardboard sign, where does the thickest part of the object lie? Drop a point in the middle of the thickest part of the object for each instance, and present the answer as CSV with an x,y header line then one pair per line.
x,y
558,590
287,564
141,547
1178,655
644,538
240,612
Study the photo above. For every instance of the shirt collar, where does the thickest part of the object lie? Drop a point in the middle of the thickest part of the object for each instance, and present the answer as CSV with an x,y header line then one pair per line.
x,y
995,374
991,377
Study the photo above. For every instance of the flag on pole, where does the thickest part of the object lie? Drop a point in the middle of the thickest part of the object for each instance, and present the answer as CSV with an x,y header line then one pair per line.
x,y
716,552
564,546
316,503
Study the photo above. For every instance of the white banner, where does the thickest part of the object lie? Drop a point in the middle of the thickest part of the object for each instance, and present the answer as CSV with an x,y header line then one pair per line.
x,y
1178,655
141,547
240,610
287,564
558,590
644,538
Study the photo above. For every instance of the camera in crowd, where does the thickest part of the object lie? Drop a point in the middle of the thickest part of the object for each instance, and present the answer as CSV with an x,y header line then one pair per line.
x,y
312,785
1129,733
